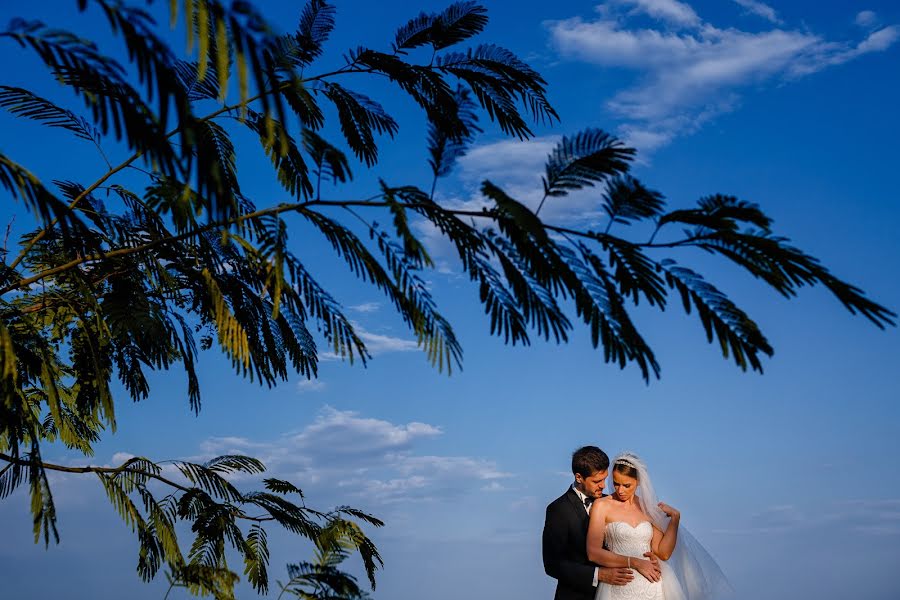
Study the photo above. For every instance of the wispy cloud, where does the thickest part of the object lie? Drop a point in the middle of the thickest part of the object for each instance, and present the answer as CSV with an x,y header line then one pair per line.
x,y
866,18
378,343
670,11
338,457
366,307
517,167
366,458
310,385
760,9
692,71
871,517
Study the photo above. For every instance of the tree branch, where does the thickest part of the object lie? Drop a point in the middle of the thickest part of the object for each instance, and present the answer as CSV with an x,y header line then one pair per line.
x,y
484,213
149,246
90,469
127,163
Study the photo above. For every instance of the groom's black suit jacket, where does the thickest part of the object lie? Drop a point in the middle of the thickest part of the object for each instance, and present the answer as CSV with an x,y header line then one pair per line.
x,y
565,548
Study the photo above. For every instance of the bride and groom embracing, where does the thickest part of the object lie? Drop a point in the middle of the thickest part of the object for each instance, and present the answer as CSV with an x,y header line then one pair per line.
x,y
593,543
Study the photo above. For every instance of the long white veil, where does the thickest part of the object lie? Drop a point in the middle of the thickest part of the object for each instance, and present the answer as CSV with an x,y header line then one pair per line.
x,y
699,576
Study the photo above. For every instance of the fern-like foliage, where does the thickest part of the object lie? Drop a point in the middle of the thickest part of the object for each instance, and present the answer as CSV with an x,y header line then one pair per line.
x,y
446,147
321,578
498,77
123,275
590,157
361,118
24,103
316,24
626,199
456,23
722,320
720,213
785,268
330,162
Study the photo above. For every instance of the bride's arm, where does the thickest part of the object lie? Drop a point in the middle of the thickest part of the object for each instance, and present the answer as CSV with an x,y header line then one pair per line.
x,y
599,555
596,532
663,544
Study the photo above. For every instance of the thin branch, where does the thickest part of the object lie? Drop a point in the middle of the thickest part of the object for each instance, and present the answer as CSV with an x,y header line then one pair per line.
x,y
487,214
540,206
347,69
127,163
91,469
149,246
6,238
114,471
484,213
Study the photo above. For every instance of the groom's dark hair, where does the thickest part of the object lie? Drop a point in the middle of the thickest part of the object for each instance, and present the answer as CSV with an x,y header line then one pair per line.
x,y
588,460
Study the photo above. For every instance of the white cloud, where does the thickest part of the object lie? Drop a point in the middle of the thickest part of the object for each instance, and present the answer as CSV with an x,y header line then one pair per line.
x,y
866,18
310,385
687,77
517,167
345,432
366,458
878,41
671,11
508,160
760,9
377,343
366,307
442,465
494,486
340,457
120,457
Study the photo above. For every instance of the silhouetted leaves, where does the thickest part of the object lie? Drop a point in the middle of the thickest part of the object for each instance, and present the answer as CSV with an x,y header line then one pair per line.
x,y
361,118
737,334
499,79
185,259
626,200
23,103
458,22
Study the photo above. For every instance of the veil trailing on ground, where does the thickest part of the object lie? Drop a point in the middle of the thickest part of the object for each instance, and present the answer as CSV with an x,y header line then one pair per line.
x,y
696,572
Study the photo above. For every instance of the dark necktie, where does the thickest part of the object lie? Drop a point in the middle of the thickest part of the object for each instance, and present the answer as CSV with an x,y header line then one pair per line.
x,y
588,500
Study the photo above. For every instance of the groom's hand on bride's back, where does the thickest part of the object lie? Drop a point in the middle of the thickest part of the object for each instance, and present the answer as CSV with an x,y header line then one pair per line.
x,y
615,575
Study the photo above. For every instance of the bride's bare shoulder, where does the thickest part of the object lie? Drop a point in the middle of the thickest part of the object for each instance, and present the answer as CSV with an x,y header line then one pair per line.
x,y
600,508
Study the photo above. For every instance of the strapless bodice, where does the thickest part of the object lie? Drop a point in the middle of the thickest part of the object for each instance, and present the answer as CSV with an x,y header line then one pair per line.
x,y
626,540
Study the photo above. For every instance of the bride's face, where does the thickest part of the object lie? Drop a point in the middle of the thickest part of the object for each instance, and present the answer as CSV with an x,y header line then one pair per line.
x,y
624,486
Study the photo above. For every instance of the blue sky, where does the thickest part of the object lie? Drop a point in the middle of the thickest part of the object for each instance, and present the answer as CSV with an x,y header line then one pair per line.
x,y
789,478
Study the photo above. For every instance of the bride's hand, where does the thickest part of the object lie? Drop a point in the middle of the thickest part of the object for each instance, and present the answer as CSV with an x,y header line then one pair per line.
x,y
648,568
672,513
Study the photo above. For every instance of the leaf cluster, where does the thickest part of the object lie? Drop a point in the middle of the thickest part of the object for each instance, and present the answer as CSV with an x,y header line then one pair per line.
x,y
118,279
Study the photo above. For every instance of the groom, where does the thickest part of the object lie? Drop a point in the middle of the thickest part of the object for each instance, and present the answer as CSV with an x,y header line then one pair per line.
x,y
565,531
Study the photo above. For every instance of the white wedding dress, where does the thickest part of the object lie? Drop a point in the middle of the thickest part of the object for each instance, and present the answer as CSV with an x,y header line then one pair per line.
x,y
626,540
689,574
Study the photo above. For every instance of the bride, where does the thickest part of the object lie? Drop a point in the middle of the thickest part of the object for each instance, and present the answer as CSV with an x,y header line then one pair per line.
x,y
633,525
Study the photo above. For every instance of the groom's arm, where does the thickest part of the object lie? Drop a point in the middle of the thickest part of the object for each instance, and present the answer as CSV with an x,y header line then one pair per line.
x,y
571,573
597,554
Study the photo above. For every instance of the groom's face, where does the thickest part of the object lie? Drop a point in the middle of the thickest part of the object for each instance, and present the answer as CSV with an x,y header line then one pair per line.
x,y
591,486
